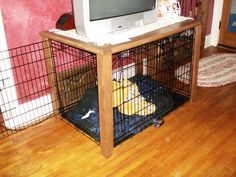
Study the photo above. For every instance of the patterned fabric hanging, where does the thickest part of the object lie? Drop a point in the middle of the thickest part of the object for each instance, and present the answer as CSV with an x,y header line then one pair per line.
x,y
169,8
189,8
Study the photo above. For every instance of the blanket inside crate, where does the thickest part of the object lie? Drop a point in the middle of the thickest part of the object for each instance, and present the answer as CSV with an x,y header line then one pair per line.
x,y
85,115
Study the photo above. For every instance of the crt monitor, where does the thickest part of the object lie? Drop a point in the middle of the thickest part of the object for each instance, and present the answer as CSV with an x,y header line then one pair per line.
x,y
96,17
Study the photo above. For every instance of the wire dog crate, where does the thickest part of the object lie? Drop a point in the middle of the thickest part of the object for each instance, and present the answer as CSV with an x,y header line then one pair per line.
x,y
145,84
108,93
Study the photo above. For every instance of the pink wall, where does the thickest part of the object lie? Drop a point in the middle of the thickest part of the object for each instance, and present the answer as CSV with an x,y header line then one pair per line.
x,y
24,19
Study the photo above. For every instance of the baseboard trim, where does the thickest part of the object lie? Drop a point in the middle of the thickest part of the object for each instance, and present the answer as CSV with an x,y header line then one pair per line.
x,y
227,47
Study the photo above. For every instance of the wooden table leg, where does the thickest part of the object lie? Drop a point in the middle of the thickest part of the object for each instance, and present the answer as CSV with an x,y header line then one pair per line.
x,y
195,59
51,73
104,70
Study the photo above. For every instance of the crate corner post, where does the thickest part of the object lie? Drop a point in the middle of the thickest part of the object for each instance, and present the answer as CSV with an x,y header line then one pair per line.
x,y
104,69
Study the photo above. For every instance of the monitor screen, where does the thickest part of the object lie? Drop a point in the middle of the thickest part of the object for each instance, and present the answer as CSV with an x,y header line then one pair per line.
x,y
102,9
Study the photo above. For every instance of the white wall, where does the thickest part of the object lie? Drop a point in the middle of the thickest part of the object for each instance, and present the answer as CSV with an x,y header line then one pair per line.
x,y
3,42
213,38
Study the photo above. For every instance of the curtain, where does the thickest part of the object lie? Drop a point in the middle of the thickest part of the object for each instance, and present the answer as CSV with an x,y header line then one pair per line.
x,y
189,8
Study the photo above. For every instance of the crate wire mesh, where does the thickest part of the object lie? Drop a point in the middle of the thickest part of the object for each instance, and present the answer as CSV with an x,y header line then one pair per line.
x,y
24,94
75,72
76,78
146,85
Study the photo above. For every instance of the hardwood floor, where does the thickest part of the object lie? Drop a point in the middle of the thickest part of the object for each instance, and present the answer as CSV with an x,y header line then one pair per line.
x,y
198,139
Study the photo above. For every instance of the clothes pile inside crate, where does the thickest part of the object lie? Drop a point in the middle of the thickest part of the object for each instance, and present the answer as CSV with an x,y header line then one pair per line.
x,y
128,120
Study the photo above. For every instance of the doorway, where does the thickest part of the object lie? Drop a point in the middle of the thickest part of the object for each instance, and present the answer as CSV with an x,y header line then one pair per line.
x,y
228,24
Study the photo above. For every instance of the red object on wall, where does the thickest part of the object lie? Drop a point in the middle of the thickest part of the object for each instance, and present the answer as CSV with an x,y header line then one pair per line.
x,y
66,22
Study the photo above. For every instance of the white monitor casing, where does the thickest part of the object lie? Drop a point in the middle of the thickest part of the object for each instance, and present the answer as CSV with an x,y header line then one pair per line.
x,y
88,28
